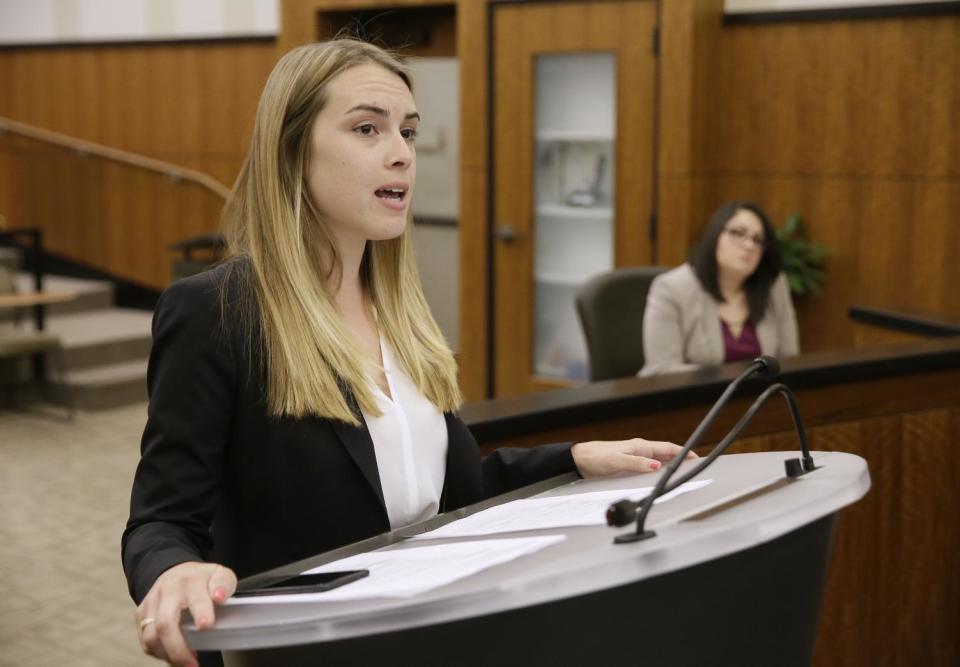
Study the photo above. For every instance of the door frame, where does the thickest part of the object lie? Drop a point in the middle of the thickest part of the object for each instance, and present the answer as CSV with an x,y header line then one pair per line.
x,y
490,222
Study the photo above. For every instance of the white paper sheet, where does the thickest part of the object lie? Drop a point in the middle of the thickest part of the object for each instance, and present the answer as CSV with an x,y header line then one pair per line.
x,y
398,573
582,509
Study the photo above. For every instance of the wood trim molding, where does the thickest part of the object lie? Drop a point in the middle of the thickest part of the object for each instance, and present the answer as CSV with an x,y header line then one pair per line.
x,y
82,147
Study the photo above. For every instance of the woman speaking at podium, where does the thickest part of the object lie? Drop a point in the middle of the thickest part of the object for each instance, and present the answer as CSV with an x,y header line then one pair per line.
x,y
301,395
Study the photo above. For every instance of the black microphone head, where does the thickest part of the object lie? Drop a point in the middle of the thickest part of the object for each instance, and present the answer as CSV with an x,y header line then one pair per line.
x,y
621,513
770,367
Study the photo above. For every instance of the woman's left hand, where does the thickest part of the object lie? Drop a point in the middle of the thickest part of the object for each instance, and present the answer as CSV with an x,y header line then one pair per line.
x,y
598,458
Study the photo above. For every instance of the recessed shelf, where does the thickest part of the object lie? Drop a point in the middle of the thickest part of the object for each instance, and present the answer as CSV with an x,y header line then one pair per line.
x,y
574,136
562,279
576,212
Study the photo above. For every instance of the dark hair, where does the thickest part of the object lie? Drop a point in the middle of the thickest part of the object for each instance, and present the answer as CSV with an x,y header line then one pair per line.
x,y
757,285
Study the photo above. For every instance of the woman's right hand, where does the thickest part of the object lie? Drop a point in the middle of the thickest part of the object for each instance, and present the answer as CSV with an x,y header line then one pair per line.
x,y
194,586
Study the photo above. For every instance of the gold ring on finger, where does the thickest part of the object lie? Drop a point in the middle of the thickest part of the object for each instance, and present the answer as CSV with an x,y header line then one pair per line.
x,y
145,622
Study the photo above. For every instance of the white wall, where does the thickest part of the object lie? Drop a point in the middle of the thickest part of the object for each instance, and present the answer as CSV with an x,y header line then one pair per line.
x,y
741,6
437,195
57,21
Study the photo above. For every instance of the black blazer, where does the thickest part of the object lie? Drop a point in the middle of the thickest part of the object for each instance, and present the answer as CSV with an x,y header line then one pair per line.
x,y
220,480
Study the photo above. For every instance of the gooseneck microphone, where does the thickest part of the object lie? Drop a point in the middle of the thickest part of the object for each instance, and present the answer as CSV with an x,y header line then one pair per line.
x,y
623,512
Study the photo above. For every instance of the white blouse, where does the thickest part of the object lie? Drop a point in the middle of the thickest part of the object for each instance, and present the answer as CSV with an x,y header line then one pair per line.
x,y
410,442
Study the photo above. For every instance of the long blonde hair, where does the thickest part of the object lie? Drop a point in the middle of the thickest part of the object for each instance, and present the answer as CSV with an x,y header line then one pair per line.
x,y
313,363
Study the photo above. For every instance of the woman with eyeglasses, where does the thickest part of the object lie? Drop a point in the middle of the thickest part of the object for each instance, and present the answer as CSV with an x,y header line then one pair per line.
x,y
729,303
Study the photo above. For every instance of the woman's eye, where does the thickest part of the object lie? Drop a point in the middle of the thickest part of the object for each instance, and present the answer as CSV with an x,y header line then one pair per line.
x,y
409,134
366,129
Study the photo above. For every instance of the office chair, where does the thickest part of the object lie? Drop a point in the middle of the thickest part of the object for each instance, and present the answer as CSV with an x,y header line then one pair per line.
x,y
610,306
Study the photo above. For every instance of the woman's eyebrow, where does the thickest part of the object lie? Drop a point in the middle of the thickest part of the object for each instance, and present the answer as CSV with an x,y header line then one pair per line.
x,y
380,111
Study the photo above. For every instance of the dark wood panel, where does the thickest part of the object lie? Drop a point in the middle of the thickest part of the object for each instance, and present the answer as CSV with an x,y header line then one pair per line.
x,y
472,33
867,97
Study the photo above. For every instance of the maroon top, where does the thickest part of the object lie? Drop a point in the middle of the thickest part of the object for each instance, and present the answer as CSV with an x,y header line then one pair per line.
x,y
738,349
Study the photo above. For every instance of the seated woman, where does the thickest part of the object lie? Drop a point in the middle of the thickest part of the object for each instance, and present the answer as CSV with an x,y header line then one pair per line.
x,y
730,302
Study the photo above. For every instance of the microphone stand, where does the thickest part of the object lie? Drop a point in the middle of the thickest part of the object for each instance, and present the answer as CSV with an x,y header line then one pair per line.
x,y
622,512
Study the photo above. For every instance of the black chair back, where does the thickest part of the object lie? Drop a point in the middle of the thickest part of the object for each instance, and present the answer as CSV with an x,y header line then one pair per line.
x,y
611,307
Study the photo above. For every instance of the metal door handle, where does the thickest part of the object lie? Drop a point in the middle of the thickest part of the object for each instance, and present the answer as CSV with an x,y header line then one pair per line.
x,y
506,233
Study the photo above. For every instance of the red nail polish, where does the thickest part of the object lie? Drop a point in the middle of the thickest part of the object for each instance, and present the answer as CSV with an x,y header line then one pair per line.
x,y
219,594
655,465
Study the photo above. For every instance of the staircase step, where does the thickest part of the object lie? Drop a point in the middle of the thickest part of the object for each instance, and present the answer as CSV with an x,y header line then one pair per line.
x,y
10,258
103,387
99,337
91,294
102,362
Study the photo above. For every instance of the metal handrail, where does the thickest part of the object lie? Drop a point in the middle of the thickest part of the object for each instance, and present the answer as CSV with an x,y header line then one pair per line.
x,y
84,148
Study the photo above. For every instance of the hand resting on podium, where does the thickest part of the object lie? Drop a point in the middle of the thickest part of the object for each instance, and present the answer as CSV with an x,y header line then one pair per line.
x,y
600,458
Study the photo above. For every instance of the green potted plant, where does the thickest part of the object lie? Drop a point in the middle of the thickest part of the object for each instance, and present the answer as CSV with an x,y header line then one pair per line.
x,y
803,260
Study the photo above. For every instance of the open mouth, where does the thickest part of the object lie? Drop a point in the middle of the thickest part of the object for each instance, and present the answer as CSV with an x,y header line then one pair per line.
x,y
393,194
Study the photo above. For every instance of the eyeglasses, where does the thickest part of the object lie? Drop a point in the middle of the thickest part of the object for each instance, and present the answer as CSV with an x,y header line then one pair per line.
x,y
742,235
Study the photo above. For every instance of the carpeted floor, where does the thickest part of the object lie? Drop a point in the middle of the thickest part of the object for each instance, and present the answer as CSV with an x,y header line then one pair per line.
x,y
64,497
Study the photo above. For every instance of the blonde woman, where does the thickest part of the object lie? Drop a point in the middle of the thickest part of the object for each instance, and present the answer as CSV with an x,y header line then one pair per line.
x,y
301,394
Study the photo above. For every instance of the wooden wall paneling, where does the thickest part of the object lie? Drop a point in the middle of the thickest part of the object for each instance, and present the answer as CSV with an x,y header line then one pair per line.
x,y
122,184
472,33
912,84
687,47
635,129
930,595
7,183
175,117
297,24
515,32
891,596
229,102
190,104
887,246
135,131
89,206
676,87
865,565
87,103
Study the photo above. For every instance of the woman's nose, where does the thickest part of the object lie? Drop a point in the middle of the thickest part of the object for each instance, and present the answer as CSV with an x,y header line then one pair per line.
x,y
401,152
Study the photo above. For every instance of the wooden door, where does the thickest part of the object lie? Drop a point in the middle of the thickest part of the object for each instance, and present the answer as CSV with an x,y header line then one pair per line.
x,y
542,192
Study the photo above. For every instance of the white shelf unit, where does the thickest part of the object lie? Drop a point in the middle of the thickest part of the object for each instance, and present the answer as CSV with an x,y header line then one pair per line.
x,y
598,213
574,136
564,279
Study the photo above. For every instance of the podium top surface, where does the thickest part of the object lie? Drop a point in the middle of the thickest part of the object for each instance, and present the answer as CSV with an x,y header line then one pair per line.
x,y
749,503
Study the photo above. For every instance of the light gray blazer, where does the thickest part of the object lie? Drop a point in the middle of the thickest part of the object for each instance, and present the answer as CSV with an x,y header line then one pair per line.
x,y
681,326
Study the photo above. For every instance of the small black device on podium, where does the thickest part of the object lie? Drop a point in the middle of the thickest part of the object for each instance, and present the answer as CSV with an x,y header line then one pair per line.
x,y
306,583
